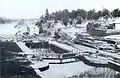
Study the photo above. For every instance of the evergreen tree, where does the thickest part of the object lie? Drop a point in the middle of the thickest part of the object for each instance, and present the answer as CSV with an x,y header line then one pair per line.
x,y
116,13
47,14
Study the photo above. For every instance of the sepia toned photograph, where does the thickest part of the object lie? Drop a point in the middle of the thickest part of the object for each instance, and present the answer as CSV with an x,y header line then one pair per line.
x,y
59,39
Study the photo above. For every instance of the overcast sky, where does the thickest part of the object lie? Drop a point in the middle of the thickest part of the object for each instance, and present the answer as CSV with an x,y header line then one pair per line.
x,y
35,8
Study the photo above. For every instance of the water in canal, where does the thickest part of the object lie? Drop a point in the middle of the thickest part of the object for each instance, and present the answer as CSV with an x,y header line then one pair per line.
x,y
79,70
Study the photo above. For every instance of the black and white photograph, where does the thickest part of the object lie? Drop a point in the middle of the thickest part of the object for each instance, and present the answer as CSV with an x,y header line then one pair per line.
x,y
59,38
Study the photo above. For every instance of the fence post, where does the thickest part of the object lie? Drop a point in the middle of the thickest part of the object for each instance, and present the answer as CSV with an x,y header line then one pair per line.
x,y
61,58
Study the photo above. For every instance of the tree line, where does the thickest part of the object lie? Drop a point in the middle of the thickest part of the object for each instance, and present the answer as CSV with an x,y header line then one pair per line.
x,y
91,14
5,20
80,15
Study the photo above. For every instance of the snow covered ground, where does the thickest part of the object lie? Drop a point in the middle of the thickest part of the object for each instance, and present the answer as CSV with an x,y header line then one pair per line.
x,y
71,31
65,70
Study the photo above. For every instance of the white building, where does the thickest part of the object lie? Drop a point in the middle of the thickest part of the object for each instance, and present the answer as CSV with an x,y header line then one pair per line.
x,y
33,30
